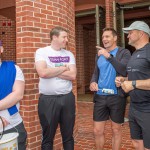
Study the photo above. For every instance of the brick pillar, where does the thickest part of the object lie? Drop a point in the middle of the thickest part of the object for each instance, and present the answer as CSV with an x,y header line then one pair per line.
x,y
34,20
109,13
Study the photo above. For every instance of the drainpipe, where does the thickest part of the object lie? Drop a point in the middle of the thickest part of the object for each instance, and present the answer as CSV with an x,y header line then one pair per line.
x,y
122,26
97,25
114,15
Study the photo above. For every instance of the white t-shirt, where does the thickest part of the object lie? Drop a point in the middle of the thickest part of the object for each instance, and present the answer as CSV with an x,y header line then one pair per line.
x,y
53,58
15,119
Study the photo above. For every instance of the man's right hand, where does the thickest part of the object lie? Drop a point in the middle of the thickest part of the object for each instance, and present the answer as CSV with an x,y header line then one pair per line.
x,y
94,86
5,122
65,68
119,81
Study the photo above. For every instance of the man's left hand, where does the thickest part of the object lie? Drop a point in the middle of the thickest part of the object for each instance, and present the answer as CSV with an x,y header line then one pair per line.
x,y
127,86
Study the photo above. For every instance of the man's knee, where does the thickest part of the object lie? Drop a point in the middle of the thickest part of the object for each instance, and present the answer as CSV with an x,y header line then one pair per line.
x,y
116,131
138,144
98,132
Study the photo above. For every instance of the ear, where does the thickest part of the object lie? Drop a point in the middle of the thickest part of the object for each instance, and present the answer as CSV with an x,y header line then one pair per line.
x,y
115,38
142,32
55,37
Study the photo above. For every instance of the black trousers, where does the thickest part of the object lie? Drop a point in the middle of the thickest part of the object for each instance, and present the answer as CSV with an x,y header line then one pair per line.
x,y
22,139
54,110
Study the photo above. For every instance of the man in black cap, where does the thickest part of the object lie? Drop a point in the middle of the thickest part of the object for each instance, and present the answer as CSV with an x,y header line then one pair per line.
x,y
138,84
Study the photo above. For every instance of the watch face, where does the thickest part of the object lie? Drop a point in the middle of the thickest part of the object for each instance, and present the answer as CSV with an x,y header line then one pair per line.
x,y
134,84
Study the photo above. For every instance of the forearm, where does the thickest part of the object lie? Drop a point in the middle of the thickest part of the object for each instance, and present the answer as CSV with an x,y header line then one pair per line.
x,y
10,100
143,84
120,62
14,97
95,74
51,72
119,66
68,75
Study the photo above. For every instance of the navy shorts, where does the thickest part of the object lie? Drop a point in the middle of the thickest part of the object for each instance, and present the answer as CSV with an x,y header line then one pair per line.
x,y
106,107
140,126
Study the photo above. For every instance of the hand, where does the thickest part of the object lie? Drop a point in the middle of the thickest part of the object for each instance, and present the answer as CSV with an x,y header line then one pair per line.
x,y
127,86
94,86
119,81
5,122
102,51
65,67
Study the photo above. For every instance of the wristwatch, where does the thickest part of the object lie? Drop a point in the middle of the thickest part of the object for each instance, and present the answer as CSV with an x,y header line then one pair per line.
x,y
134,84
110,57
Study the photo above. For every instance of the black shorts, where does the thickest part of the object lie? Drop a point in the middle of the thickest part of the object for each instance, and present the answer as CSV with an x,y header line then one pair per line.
x,y
140,126
106,107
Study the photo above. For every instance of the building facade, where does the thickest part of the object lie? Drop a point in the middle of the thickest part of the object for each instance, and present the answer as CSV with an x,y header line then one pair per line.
x,y
25,26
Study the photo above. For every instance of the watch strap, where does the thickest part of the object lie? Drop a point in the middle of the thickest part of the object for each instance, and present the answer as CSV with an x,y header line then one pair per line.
x,y
110,57
134,84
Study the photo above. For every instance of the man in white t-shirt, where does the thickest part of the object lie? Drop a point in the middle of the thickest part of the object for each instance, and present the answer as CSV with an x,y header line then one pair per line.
x,y
56,68
11,92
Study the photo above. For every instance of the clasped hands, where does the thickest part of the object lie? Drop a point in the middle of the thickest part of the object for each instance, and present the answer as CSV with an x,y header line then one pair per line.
x,y
125,85
65,67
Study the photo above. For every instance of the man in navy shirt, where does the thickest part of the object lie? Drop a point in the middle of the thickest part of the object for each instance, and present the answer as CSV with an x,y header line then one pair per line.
x,y
138,84
109,100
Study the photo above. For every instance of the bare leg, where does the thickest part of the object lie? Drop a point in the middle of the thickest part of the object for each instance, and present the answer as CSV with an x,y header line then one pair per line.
x,y
99,134
138,144
116,137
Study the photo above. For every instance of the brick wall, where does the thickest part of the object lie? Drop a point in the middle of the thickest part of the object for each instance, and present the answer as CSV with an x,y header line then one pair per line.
x,y
86,51
8,37
109,13
34,21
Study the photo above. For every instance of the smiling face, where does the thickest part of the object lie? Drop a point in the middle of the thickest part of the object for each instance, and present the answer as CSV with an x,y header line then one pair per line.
x,y
109,40
61,40
134,37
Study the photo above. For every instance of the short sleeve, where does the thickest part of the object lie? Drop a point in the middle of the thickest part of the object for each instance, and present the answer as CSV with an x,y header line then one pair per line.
x,y
19,74
72,59
39,55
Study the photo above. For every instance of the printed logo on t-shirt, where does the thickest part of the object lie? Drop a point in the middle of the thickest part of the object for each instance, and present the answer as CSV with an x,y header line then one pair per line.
x,y
59,61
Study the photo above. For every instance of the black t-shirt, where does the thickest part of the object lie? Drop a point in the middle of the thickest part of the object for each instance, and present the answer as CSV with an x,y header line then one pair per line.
x,y
138,68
